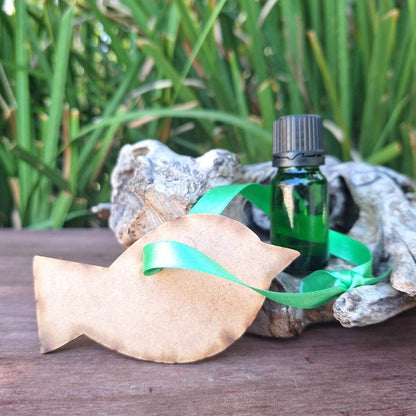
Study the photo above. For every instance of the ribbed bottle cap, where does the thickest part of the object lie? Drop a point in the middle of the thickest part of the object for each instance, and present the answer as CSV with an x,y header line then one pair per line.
x,y
298,141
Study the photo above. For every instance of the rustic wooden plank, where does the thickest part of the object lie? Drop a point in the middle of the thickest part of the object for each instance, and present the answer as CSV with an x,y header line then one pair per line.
x,y
328,370
17,248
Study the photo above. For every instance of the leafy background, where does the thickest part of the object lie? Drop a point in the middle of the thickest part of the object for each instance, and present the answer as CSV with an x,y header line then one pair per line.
x,y
80,79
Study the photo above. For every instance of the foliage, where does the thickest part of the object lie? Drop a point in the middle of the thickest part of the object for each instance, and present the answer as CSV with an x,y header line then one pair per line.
x,y
79,80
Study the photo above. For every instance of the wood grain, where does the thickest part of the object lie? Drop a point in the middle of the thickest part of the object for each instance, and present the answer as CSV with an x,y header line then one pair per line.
x,y
328,370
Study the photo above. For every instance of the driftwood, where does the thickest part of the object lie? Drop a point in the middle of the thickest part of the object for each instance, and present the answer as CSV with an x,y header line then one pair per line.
x,y
385,222
152,184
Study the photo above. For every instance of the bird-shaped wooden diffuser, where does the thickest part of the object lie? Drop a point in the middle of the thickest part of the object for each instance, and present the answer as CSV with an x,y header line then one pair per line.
x,y
173,316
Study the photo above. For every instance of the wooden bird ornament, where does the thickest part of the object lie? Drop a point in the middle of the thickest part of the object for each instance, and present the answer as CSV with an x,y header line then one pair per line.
x,y
173,316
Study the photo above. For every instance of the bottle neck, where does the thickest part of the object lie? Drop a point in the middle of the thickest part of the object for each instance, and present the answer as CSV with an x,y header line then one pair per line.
x,y
307,158
297,169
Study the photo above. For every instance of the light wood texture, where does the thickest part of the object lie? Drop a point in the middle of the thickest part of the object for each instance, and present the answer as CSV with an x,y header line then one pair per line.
x,y
328,370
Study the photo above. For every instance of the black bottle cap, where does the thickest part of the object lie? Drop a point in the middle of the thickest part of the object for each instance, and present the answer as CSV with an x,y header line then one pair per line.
x,y
298,141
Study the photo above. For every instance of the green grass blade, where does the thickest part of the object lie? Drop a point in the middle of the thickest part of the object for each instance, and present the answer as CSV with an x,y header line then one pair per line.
x,y
61,209
392,122
166,69
332,93
326,75
71,216
405,64
97,161
238,85
363,33
22,94
408,138
262,136
172,30
139,15
8,91
215,75
6,159
39,53
290,14
189,25
51,139
343,70
74,155
372,118
198,45
388,153
330,21
26,157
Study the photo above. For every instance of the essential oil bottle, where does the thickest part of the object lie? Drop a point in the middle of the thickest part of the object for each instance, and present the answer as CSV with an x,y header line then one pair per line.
x,y
299,207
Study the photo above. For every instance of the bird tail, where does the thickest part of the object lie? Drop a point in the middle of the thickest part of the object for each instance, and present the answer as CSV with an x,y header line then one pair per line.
x,y
59,288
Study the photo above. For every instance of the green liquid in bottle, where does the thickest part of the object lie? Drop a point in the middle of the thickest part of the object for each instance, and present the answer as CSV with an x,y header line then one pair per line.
x,y
299,216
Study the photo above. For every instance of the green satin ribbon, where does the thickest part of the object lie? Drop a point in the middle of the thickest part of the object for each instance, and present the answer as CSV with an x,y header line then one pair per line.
x,y
316,289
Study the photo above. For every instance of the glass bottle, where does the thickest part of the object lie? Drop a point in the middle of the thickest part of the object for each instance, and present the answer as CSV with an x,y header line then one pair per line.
x,y
299,207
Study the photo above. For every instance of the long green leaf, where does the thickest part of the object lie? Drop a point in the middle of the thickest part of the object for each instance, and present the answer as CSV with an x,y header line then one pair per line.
x,y
238,81
382,51
290,21
331,32
60,210
386,154
172,30
51,140
332,93
71,216
139,14
390,124
167,69
40,166
262,136
99,158
198,45
405,63
23,125
343,67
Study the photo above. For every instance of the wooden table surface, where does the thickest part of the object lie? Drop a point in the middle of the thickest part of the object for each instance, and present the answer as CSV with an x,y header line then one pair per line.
x,y
328,370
